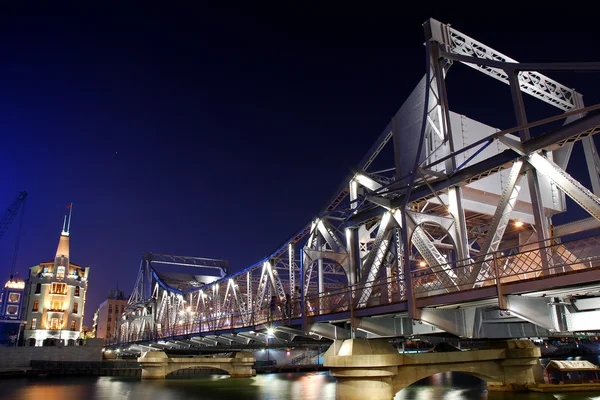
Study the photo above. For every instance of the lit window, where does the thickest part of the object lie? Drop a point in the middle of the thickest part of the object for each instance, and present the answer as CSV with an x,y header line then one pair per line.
x,y
75,307
73,324
58,288
14,297
36,305
54,323
12,310
56,305
33,323
76,290
60,272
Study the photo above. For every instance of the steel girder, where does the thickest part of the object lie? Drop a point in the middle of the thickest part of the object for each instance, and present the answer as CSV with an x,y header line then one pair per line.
x,y
531,82
579,193
569,133
376,258
496,229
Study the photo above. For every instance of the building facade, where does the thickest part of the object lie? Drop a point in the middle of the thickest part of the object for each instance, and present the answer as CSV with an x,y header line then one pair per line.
x,y
55,294
12,297
108,315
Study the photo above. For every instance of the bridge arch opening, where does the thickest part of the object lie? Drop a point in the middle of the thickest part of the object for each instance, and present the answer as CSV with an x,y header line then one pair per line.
x,y
198,371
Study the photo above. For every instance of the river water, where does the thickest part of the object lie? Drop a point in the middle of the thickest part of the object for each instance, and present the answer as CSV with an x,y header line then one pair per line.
x,y
284,386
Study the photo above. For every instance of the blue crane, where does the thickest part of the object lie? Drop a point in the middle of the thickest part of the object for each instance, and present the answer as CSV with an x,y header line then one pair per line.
x,y
8,218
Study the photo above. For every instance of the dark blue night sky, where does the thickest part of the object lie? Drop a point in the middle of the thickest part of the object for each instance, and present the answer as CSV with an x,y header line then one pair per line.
x,y
218,133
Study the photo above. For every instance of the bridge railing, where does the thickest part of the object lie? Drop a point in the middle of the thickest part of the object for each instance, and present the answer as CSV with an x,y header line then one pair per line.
x,y
520,263
380,292
524,262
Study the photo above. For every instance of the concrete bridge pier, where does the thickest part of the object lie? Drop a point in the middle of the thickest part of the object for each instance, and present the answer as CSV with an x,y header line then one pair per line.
x,y
363,368
157,364
375,369
154,364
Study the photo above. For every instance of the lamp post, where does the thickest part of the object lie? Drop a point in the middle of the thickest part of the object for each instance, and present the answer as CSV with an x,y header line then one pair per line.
x,y
24,323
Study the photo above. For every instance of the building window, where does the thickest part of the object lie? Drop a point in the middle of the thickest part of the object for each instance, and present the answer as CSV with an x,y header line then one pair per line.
x,y
58,288
12,310
76,290
33,323
75,307
45,270
54,323
73,324
60,272
108,329
36,305
14,297
110,308
38,288
109,318
56,305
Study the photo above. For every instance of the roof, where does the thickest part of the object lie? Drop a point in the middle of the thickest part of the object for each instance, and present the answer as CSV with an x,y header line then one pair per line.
x,y
184,282
556,365
53,261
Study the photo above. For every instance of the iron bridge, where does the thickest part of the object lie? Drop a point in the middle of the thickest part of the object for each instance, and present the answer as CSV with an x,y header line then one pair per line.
x,y
452,235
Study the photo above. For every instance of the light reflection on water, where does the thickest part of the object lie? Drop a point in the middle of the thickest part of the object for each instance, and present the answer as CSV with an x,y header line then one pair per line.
x,y
454,386
290,386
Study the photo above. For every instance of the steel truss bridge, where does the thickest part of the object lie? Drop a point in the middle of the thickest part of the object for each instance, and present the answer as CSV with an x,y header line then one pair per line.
x,y
453,234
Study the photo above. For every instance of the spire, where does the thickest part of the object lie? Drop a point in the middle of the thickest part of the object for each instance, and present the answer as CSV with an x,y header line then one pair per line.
x,y
63,243
70,207
67,223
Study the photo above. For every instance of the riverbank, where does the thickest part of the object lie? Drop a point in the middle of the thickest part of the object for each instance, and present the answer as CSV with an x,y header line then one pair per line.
x,y
565,388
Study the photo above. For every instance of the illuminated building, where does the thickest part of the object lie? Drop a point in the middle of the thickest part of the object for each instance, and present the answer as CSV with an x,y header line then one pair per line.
x,y
11,300
108,314
56,297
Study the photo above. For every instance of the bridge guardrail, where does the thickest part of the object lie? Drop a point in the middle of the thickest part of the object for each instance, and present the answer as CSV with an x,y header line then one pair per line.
x,y
509,265
504,266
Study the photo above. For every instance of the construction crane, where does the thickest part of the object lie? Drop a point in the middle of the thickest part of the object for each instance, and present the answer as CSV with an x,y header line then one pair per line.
x,y
8,218
11,213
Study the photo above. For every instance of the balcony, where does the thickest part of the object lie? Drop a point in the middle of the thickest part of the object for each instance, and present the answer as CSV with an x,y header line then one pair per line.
x,y
55,309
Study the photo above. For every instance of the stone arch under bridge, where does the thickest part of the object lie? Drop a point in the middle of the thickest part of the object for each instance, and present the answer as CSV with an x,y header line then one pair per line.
x,y
376,367
157,364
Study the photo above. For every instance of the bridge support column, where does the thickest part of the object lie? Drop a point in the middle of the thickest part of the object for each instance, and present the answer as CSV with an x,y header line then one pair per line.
x,y
241,365
363,368
154,364
521,359
374,368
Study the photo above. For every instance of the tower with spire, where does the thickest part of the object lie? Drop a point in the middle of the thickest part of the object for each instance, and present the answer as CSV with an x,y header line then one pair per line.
x,y
56,293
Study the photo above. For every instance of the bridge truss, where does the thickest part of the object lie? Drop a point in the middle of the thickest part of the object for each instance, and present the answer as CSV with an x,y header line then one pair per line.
x,y
454,234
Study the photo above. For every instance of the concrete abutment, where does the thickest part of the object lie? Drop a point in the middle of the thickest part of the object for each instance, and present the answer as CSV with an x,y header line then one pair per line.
x,y
375,367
